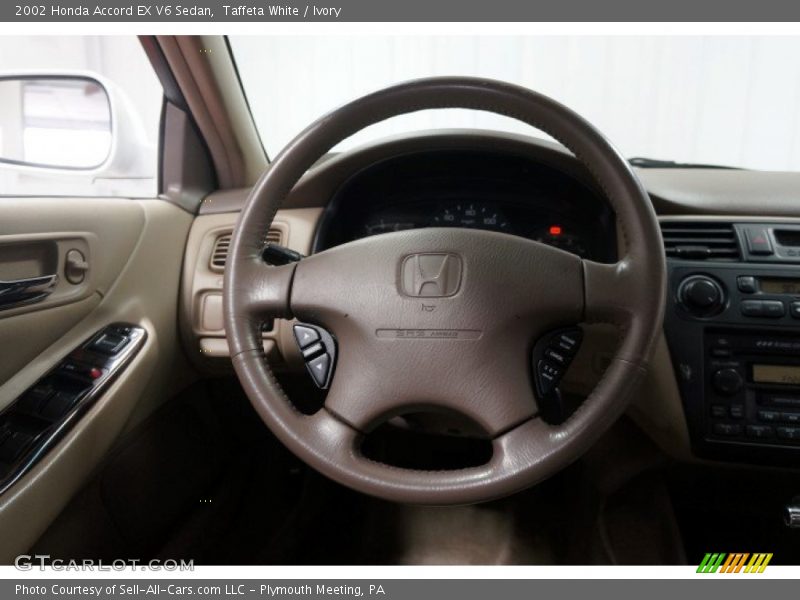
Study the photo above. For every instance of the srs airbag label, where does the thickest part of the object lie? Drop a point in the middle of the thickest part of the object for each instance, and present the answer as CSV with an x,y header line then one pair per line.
x,y
429,334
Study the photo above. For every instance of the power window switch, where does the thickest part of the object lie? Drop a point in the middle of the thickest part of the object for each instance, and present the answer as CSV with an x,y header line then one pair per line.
x,y
109,343
31,402
59,405
15,446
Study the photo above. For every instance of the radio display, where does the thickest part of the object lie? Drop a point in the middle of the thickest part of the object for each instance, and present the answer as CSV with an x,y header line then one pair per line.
x,y
784,374
780,286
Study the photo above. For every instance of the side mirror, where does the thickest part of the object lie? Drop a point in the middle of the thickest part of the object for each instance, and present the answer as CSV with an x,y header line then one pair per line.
x,y
74,126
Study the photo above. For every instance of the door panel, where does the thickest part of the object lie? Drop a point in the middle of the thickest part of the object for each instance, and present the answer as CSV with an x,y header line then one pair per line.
x,y
134,250
36,236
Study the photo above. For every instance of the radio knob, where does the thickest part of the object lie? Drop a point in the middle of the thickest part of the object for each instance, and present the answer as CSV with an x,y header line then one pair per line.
x,y
701,295
727,381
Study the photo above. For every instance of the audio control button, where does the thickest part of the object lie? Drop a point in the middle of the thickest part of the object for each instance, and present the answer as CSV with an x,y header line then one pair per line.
x,y
752,308
759,431
791,418
719,411
727,381
788,433
774,309
701,295
727,429
746,284
794,310
768,416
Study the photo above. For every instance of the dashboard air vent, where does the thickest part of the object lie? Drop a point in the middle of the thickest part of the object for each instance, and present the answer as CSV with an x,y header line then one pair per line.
x,y
219,255
700,240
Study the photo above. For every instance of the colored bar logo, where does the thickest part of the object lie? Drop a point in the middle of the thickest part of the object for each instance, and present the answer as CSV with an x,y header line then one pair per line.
x,y
719,562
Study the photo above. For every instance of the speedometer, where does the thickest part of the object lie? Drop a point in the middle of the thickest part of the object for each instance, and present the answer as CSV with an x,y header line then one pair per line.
x,y
472,215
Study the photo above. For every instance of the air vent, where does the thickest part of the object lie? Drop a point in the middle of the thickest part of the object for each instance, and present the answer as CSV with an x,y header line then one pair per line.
x,y
274,236
223,243
700,240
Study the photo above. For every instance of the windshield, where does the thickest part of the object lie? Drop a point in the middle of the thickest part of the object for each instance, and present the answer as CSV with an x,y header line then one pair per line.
x,y
714,100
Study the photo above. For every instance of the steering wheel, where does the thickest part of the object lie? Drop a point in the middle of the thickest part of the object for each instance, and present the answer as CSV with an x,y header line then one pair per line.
x,y
495,296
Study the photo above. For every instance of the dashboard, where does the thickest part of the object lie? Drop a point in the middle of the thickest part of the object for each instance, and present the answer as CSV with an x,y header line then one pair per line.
x,y
470,189
531,188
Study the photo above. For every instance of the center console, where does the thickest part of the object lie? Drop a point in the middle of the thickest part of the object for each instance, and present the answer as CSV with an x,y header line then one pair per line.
x,y
733,329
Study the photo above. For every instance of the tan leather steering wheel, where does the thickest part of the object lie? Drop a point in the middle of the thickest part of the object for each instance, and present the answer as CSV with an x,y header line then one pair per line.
x,y
509,292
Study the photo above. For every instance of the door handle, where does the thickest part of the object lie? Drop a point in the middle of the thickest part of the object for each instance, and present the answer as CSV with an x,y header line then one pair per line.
x,y
26,291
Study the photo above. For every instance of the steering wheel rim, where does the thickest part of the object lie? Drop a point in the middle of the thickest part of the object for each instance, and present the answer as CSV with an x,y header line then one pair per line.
x,y
366,296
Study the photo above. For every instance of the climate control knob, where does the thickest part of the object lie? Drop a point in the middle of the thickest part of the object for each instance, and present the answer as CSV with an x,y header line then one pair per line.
x,y
701,295
727,381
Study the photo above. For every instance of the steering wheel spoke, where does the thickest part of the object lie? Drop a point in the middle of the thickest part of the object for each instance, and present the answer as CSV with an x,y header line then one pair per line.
x,y
268,290
388,377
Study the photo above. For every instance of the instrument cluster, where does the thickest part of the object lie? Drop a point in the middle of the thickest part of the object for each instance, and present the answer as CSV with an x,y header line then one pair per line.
x,y
503,193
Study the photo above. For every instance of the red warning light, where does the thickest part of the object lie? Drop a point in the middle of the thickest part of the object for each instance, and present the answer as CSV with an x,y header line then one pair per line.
x,y
555,229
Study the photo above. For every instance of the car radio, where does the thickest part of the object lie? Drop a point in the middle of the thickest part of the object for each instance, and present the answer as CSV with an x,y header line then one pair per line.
x,y
733,329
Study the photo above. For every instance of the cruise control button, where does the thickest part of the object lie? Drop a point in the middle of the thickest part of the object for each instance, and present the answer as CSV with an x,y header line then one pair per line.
x,y
319,368
567,342
548,375
556,357
305,336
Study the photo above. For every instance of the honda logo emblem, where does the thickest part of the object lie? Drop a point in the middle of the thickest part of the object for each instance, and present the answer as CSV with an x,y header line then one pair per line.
x,y
430,275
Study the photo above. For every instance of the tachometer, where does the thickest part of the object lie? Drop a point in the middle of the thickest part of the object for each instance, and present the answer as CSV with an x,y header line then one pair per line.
x,y
472,215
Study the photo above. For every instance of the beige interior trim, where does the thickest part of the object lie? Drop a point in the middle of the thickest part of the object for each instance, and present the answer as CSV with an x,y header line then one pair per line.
x,y
106,230
201,296
243,126
192,71
144,292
